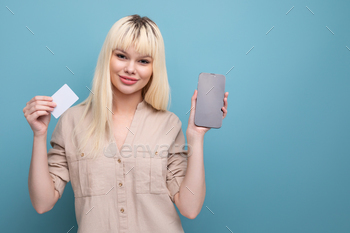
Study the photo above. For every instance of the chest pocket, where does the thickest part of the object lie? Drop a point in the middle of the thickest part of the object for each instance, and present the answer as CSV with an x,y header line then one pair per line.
x,y
91,177
150,173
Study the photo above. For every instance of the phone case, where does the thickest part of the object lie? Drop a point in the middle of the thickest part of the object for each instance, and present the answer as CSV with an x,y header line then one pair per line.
x,y
210,100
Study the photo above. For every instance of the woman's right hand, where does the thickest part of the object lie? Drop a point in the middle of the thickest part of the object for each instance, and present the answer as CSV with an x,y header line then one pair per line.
x,y
38,113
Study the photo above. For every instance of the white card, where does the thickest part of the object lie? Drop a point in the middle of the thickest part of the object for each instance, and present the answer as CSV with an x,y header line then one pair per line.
x,y
64,98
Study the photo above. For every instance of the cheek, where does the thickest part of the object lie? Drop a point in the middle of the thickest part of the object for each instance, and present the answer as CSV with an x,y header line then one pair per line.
x,y
115,66
148,72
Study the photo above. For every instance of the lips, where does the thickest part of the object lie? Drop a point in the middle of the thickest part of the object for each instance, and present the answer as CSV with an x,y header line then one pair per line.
x,y
128,78
127,81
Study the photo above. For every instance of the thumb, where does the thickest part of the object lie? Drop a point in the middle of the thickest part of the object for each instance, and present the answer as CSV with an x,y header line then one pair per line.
x,y
193,102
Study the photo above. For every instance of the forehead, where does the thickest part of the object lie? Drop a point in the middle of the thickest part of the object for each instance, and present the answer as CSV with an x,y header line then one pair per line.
x,y
141,39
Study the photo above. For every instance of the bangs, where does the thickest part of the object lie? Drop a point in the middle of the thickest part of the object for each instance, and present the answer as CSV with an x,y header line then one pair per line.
x,y
143,37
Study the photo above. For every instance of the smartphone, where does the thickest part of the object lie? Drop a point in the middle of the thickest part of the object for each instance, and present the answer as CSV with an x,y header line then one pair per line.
x,y
210,100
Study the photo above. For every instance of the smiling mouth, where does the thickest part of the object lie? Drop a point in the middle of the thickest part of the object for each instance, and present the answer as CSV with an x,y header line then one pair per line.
x,y
128,78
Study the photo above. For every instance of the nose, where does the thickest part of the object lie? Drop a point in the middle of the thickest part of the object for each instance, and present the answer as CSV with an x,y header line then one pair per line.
x,y
130,67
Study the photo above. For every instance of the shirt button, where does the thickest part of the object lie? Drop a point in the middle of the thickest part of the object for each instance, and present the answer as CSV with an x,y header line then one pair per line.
x,y
120,184
122,210
156,152
82,154
119,161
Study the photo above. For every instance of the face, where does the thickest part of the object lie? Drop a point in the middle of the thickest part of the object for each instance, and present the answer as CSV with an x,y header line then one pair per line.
x,y
131,65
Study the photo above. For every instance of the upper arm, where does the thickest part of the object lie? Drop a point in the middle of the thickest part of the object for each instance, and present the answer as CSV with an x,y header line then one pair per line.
x,y
55,199
57,196
177,163
57,161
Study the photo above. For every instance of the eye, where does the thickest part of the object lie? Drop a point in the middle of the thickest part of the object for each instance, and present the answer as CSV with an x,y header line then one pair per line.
x,y
146,62
120,55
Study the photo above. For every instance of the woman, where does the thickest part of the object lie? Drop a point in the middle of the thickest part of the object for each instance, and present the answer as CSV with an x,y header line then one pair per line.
x,y
122,150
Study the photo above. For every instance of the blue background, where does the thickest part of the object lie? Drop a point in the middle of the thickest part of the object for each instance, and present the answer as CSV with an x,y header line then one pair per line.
x,y
280,162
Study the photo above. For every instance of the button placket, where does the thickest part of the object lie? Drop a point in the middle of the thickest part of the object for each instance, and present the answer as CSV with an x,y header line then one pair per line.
x,y
121,192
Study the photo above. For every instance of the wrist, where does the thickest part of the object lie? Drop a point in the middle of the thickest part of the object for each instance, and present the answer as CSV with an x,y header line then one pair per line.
x,y
40,135
194,137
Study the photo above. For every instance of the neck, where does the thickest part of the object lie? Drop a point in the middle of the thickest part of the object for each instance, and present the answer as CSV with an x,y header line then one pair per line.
x,y
125,105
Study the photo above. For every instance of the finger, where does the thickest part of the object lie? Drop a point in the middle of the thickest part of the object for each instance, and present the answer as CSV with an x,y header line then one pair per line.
x,y
225,104
37,114
38,98
225,99
40,113
32,109
193,101
225,112
43,103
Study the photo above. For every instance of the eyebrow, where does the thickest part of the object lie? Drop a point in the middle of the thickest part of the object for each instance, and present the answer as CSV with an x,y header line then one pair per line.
x,y
127,53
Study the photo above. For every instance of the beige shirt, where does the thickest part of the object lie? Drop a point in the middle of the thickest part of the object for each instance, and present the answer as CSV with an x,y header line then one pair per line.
x,y
131,190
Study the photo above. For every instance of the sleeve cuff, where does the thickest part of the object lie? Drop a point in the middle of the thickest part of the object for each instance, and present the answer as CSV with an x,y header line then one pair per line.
x,y
59,184
174,187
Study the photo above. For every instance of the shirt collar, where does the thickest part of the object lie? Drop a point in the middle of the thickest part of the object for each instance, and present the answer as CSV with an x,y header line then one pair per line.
x,y
141,105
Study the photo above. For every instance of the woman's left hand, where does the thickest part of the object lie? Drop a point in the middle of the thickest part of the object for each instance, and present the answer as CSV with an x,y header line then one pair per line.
x,y
198,130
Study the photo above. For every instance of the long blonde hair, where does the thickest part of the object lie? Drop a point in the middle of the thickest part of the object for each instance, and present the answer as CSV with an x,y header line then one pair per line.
x,y
145,35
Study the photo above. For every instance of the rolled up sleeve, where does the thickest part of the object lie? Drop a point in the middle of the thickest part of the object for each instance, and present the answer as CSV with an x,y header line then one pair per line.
x,y
57,161
177,163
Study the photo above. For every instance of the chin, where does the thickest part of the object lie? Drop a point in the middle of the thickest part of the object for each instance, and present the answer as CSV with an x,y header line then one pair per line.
x,y
127,91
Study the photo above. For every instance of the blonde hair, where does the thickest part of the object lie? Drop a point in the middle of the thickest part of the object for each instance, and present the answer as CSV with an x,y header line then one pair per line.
x,y
144,34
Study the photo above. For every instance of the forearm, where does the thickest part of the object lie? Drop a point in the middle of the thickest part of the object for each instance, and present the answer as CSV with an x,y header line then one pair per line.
x,y
192,189
40,184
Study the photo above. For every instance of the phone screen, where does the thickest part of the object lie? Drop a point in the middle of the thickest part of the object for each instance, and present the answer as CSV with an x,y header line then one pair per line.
x,y
210,100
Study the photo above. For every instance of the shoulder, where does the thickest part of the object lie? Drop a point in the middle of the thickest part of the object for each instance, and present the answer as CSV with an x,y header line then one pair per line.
x,y
175,118
72,114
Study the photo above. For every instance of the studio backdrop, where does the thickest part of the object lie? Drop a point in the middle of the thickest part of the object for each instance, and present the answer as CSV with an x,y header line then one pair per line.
x,y
279,163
